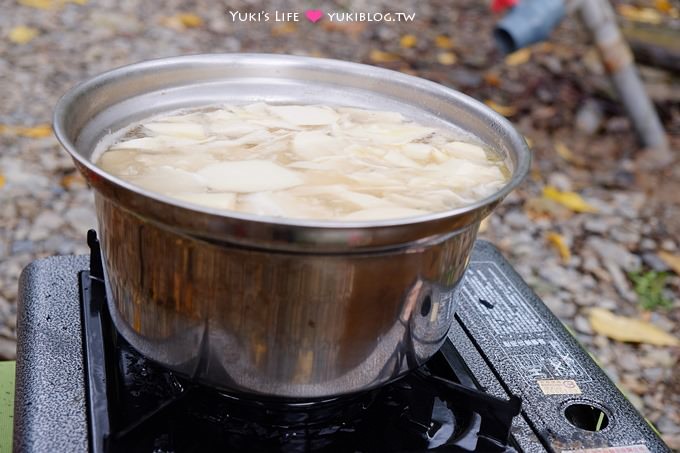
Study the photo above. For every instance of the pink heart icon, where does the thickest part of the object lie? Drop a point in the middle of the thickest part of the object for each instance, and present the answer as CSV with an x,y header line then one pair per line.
x,y
314,15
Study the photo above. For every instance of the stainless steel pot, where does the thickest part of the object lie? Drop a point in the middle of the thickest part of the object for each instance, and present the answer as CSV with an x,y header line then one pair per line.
x,y
291,308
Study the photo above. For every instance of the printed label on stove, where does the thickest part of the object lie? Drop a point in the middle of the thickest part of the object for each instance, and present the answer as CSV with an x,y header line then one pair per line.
x,y
622,449
522,337
559,386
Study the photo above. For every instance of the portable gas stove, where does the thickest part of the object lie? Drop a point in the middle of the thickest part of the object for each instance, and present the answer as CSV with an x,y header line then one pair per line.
x,y
509,378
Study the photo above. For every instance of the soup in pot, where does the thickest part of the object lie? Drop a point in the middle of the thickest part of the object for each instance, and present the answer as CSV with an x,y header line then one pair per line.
x,y
304,162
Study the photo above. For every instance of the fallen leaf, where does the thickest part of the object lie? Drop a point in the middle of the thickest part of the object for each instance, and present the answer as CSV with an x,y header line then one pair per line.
x,y
570,200
2,180
39,4
182,21
49,4
621,328
568,155
443,42
663,5
644,15
378,56
544,47
673,261
40,131
518,57
408,41
492,79
505,110
190,20
447,58
541,208
22,34
353,29
284,29
530,142
73,180
557,241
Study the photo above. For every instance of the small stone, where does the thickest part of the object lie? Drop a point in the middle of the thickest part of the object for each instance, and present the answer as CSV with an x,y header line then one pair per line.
x,y
669,245
620,281
597,225
618,124
582,325
634,385
561,182
653,261
23,246
516,219
46,222
625,235
647,244
667,426
8,349
561,308
81,218
628,361
653,375
589,117
609,251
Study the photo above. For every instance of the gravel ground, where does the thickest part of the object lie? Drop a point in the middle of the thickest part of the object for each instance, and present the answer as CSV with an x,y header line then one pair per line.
x,y
559,99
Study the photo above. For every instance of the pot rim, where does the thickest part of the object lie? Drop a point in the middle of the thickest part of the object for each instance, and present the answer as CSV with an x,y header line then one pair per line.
x,y
513,139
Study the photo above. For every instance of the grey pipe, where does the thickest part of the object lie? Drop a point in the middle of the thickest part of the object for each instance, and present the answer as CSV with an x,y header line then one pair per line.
x,y
533,20
529,22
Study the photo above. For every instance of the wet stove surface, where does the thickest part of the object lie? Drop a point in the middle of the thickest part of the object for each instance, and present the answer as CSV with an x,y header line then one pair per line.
x,y
505,346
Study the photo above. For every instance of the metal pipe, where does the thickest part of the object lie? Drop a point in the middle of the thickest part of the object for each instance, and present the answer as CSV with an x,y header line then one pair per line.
x,y
529,22
533,20
599,18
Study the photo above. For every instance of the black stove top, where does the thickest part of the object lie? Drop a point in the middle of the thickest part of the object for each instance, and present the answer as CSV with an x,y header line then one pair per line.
x,y
509,378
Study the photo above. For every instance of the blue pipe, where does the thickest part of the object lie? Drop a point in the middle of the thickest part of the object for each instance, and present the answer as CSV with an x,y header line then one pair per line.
x,y
529,22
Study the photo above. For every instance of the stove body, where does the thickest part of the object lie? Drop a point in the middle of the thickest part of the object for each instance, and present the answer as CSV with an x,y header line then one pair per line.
x,y
90,391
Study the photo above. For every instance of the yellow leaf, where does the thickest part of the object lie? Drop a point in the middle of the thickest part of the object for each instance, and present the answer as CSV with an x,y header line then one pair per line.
x,y
443,42
40,131
570,200
673,261
447,58
492,78
2,180
621,328
283,29
568,155
644,15
22,34
557,241
49,4
182,21
563,151
39,4
505,110
378,56
190,20
530,142
518,57
408,41
73,180
663,5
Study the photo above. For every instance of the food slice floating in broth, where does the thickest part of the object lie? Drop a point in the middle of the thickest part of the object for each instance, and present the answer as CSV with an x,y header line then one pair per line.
x,y
305,161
